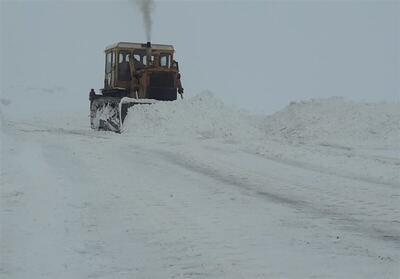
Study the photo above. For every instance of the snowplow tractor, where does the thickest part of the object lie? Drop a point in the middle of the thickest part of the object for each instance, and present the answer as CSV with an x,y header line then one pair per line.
x,y
135,74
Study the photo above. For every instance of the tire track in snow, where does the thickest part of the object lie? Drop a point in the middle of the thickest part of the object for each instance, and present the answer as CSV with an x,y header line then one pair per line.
x,y
390,236
319,169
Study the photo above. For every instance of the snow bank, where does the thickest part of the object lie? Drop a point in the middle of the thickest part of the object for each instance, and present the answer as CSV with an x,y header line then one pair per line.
x,y
336,120
332,121
202,116
322,121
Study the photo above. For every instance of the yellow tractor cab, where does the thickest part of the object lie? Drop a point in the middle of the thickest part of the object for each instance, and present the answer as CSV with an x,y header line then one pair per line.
x,y
134,71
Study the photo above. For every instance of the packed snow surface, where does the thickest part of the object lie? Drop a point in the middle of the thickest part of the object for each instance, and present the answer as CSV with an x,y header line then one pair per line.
x,y
197,189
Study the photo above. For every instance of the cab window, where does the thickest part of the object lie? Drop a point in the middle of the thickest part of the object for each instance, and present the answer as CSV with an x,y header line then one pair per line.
x,y
124,71
123,57
165,60
139,59
108,62
113,59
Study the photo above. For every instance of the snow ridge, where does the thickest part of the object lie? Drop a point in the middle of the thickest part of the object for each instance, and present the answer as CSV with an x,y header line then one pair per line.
x,y
322,121
202,116
336,120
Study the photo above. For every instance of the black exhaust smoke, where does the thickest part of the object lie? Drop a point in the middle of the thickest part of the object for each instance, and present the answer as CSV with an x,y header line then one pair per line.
x,y
146,7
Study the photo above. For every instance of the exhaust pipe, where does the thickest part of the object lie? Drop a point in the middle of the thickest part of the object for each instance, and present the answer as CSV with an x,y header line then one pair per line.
x,y
148,53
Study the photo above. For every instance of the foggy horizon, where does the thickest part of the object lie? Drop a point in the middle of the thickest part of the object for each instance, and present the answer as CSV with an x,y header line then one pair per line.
x,y
258,56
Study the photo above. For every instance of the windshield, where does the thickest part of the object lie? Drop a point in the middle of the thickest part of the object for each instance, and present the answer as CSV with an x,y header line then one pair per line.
x,y
139,58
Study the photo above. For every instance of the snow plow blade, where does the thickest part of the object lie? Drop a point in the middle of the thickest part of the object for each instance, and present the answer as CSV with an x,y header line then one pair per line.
x,y
109,113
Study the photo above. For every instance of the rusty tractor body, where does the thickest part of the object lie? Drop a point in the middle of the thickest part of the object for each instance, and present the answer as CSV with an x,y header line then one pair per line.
x,y
135,74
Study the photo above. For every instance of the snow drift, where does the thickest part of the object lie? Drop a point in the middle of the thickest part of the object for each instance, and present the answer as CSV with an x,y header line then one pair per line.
x,y
332,120
202,116
336,120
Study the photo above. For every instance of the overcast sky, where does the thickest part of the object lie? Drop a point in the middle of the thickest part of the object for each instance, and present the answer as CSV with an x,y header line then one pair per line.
x,y
256,55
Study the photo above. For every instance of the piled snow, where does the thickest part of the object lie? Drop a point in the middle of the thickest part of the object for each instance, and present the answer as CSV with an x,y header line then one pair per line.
x,y
323,121
337,120
202,116
333,121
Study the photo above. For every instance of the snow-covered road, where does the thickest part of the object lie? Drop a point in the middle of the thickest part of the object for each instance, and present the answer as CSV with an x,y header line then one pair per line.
x,y
77,203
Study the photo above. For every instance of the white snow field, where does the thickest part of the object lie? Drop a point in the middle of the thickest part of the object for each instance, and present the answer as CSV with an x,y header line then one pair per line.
x,y
196,189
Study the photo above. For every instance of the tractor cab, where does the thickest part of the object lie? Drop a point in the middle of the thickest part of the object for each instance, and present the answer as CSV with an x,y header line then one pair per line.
x,y
140,71
135,74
